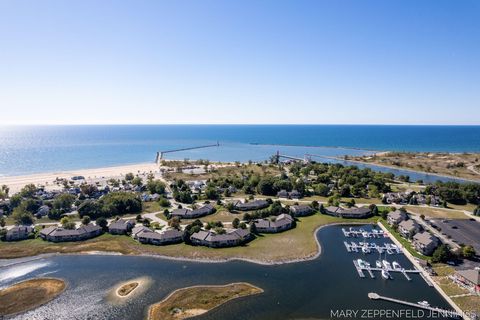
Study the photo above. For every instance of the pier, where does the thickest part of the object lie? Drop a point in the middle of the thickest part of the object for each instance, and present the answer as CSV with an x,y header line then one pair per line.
x,y
361,269
357,233
447,313
361,246
160,154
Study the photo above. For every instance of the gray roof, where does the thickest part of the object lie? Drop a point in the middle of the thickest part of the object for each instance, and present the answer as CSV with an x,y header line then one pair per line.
x,y
20,229
359,211
471,275
397,215
230,235
251,204
425,238
408,225
61,232
281,221
121,224
301,208
165,235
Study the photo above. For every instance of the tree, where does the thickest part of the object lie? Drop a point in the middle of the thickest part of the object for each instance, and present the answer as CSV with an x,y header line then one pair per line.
x,y
129,176
91,208
156,186
67,223
442,254
468,252
315,205
265,186
2,222
22,216
236,223
253,228
175,223
86,220
63,202
211,193
137,181
88,189
102,223
28,191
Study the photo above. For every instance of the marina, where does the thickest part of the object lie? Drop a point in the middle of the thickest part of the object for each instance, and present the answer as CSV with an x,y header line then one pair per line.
x,y
351,232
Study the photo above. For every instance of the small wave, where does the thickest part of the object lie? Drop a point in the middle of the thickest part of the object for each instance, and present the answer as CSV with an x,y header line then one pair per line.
x,y
18,271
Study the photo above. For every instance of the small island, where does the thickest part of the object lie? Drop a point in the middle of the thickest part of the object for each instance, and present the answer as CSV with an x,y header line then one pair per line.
x,y
126,289
193,301
29,294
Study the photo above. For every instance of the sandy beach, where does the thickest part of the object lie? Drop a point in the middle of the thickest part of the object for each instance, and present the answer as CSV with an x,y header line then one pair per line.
x,y
15,183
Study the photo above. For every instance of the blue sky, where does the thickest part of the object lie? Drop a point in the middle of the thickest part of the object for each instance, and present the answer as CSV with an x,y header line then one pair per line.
x,y
249,61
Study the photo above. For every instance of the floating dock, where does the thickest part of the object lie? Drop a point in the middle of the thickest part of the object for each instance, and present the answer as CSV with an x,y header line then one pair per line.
x,y
357,247
443,312
361,269
362,233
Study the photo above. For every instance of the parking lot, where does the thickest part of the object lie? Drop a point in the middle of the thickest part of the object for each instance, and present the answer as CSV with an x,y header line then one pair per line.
x,y
463,231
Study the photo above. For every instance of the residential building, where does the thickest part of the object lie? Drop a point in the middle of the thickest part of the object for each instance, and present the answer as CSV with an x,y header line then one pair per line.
x,y
251,205
121,226
425,243
301,210
18,233
363,212
469,278
408,228
196,213
230,238
278,224
164,237
396,217
59,234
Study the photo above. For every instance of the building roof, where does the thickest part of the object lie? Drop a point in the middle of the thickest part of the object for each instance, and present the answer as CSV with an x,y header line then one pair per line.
x,y
408,225
20,229
121,224
471,275
252,204
397,215
229,235
425,238
301,208
164,235
280,221
359,211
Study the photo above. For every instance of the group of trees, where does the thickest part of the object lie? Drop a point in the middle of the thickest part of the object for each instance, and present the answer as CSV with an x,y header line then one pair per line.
x,y
112,204
454,192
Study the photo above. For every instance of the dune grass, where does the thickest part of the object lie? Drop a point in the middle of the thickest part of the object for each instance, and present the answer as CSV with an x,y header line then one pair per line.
x,y
193,301
29,294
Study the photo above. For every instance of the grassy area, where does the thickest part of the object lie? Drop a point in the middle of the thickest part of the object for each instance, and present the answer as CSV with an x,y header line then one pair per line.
x,y
221,215
29,294
152,206
446,164
193,301
439,213
405,243
225,171
449,287
468,303
297,243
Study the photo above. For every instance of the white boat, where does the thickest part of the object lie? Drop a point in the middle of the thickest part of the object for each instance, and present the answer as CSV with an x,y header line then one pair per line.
x,y
424,303
365,249
385,274
378,263
389,251
386,264
365,234
360,263
396,265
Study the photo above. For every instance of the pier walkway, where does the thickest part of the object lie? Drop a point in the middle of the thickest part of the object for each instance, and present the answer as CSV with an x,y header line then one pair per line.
x,y
446,313
366,247
160,154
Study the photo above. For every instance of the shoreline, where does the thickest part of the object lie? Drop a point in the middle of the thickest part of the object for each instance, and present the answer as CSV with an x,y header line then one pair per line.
x,y
47,178
410,170
199,260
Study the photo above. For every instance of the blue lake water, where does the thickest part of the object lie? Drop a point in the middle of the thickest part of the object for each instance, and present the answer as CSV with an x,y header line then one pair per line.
x,y
34,149
305,290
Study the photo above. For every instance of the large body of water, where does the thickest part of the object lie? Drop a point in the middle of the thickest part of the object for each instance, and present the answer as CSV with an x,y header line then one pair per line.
x,y
25,150
305,290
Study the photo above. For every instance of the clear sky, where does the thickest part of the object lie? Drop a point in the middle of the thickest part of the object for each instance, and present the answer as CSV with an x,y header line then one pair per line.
x,y
248,61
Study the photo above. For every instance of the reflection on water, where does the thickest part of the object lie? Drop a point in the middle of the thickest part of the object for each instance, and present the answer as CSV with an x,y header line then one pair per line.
x,y
306,290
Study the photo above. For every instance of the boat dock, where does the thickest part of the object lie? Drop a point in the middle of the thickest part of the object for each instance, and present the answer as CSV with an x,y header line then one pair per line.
x,y
160,154
366,247
443,312
362,233
360,269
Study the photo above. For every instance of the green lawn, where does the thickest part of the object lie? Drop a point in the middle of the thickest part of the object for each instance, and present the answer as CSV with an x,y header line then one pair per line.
x,y
295,244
